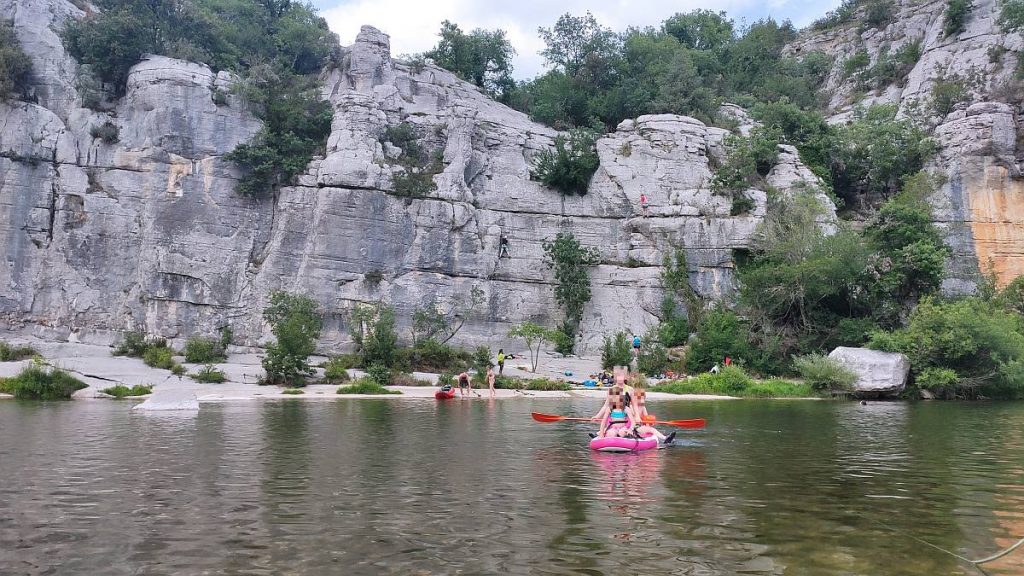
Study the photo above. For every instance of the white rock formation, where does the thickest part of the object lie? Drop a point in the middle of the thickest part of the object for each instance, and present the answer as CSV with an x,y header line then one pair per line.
x,y
149,233
878,373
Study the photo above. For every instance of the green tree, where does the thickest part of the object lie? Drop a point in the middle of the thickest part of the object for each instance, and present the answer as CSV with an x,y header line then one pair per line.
x,y
483,57
534,336
616,350
876,153
571,263
15,65
295,322
720,333
372,327
701,29
579,46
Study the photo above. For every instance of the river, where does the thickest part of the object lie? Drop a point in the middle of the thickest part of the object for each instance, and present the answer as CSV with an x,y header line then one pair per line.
x,y
477,487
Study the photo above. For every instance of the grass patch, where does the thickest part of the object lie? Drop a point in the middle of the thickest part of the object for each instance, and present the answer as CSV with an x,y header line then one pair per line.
x,y
121,391
38,382
10,353
535,384
403,379
293,391
732,381
365,385
209,374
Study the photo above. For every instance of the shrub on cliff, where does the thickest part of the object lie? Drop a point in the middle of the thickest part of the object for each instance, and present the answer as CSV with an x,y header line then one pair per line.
x,y
1011,15
15,65
571,264
749,160
295,323
569,168
955,20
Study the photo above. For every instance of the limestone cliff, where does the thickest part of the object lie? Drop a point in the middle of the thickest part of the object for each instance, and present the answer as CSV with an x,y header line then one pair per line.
x,y
147,232
980,205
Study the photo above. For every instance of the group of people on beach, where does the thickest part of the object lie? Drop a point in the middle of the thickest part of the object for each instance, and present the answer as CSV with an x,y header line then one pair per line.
x,y
624,412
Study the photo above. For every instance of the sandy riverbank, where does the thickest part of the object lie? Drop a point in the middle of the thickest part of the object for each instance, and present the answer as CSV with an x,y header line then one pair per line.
x,y
95,366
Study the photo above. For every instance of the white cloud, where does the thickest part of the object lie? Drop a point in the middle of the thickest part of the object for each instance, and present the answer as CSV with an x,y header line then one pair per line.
x,y
413,25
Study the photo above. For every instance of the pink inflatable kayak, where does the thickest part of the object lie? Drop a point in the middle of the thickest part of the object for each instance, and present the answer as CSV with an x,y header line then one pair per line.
x,y
623,444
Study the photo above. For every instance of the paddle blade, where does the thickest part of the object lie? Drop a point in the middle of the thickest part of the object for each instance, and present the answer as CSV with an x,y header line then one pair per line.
x,y
691,423
546,417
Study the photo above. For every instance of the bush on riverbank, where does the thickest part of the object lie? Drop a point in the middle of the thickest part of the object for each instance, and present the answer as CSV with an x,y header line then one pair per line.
x,y
209,374
161,357
9,353
293,391
201,350
366,385
40,382
825,374
969,348
122,391
336,369
733,381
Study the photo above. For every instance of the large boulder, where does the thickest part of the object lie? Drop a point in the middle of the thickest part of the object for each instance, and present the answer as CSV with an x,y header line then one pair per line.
x,y
878,373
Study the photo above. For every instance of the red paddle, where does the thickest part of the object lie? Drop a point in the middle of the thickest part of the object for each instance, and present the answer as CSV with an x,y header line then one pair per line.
x,y
691,423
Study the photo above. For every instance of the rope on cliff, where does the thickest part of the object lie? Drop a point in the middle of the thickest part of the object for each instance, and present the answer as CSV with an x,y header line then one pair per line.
x,y
995,556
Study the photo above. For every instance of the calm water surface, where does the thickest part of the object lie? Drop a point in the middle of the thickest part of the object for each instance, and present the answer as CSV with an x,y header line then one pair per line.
x,y
476,487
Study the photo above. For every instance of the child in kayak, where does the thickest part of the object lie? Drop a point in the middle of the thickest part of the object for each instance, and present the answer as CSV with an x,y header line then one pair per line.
x,y
619,422
641,416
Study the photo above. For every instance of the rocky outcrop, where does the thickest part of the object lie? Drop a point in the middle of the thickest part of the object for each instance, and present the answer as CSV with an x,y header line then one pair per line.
x,y
878,373
147,232
978,203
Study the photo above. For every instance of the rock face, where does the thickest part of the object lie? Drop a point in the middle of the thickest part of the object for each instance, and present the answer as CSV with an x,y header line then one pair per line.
x,y
979,204
878,373
148,232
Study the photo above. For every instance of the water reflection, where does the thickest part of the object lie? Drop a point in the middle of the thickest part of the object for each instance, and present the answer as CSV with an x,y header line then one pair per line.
x,y
399,487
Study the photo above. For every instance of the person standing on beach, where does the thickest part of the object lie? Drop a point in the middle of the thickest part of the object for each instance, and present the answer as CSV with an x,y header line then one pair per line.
x,y
501,360
465,382
490,379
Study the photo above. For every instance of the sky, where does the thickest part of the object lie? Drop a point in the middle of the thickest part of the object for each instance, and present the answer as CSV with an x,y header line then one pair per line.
x,y
413,25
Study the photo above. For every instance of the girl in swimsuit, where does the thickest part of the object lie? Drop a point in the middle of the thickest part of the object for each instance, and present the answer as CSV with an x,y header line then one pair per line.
x,y
619,422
